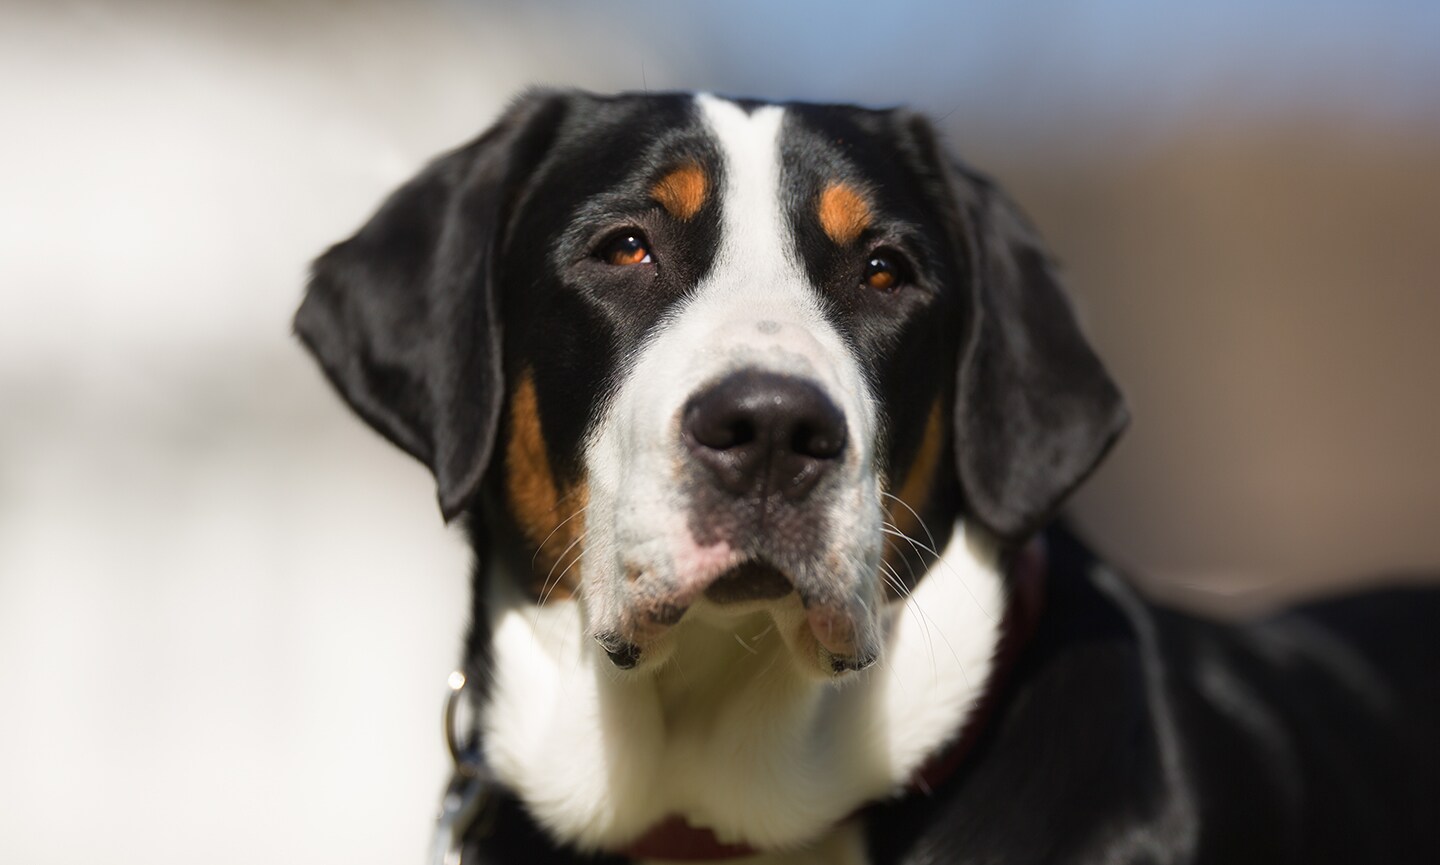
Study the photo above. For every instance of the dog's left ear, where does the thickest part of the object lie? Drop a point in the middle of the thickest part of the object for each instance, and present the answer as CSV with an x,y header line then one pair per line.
x,y
404,316
1035,409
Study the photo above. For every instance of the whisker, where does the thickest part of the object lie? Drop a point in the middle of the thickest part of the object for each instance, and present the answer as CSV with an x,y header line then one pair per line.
x,y
899,680
774,659
558,559
545,593
892,579
918,615
553,531
547,588
889,529
894,532
917,517
909,566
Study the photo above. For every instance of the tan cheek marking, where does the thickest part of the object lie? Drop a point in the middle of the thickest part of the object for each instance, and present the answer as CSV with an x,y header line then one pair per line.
x,y
843,213
540,508
682,191
916,488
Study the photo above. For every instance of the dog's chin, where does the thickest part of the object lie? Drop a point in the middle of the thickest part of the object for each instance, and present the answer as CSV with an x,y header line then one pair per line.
x,y
826,634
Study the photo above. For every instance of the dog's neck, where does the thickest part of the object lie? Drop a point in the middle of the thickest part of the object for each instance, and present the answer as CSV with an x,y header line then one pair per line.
x,y
730,734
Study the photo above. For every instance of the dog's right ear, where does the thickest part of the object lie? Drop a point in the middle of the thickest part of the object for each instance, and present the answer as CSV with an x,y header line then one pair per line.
x,y
1035,408
404,316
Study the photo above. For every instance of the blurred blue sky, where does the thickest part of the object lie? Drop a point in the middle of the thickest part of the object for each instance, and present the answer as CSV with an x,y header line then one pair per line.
x,y
1035,63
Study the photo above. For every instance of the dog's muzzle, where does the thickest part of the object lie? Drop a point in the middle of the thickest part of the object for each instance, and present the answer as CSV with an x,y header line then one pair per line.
x,y
762,456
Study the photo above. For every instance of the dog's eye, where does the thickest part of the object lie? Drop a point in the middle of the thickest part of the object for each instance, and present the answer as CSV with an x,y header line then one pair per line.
x,y
885,271
625,248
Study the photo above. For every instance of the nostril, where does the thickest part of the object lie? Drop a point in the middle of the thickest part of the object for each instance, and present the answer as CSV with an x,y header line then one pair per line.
x,y
758,431
716,429
822,440
742,432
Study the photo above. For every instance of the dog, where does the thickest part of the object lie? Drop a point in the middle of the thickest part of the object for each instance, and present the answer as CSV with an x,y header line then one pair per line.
x,y
758,417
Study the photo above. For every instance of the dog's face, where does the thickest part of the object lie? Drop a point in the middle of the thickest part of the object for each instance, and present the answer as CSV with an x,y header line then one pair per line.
x,y
689,357
710,330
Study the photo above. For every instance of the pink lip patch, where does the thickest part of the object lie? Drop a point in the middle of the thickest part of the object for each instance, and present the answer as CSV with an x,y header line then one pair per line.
x,y
833,629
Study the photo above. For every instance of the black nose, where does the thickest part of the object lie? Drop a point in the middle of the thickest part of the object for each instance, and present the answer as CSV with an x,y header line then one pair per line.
x,y
760,433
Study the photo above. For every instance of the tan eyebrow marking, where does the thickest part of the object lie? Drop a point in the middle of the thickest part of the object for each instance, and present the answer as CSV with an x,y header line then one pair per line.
x,y
682,191
843,213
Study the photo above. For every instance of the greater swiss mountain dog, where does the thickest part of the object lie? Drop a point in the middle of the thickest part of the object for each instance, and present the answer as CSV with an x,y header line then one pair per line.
x,y
757,416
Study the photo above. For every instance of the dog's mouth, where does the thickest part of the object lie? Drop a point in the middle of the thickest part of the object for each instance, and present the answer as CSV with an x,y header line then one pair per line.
x,y
749,581
720,588
830,629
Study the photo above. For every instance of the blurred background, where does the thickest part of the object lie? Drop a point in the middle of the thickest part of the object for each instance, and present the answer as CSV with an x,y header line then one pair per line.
x,y
227,609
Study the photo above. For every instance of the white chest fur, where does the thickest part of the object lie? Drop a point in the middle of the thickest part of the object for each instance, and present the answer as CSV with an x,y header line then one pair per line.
x,y
730,734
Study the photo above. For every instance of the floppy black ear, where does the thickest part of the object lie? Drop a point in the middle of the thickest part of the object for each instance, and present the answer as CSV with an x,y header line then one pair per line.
x,y
1035,410
403,316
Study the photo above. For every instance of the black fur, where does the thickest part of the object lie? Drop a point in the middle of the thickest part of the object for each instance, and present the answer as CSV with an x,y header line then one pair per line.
x,y
403,316
1135,734
1127,733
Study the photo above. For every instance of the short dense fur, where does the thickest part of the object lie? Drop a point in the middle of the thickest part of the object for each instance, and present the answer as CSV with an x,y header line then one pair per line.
x,y
771,644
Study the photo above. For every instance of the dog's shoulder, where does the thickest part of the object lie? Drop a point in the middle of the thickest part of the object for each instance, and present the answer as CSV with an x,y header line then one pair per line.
x,y
1306,736
1315,727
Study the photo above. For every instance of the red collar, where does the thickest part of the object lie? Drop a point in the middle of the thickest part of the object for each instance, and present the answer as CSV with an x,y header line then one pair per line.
x,y
676,840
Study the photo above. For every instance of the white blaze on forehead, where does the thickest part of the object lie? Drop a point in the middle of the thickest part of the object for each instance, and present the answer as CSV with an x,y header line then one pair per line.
x,y
754,237
757,300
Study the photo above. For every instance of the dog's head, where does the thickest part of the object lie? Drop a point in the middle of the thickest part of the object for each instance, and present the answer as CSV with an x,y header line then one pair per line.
x,y
686,356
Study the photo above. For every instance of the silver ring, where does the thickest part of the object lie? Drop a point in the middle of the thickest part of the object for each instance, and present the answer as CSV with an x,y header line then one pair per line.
x,y
465,764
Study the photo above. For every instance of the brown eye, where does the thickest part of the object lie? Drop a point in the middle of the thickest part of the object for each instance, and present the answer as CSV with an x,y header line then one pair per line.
x,y
626,248
885,271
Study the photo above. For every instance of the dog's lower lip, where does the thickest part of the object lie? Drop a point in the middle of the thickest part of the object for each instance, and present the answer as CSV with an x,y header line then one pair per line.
x,y
846,663
621,652
834,629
